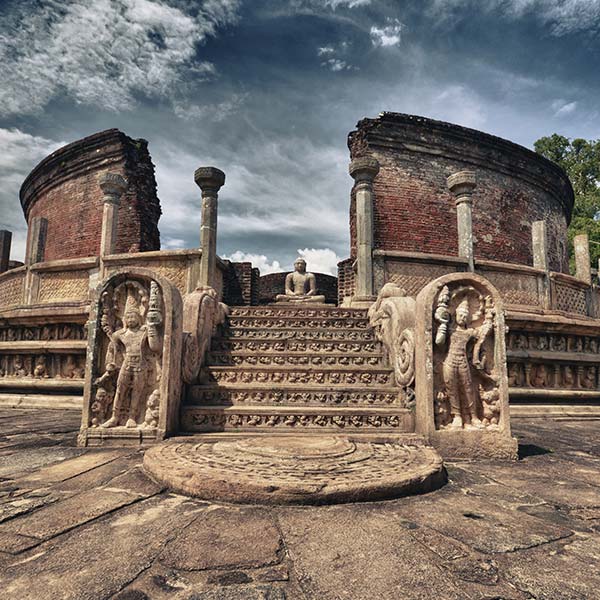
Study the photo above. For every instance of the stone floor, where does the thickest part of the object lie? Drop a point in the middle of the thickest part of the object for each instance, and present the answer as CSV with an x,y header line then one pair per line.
x,y
87,524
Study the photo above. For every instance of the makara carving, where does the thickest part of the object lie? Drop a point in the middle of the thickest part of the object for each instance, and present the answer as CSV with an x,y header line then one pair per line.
x,y
393,318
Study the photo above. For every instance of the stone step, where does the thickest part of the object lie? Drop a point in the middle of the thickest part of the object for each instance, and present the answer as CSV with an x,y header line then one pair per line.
x,y
298,359
295,312
296,420
291,396
296,323
293,345
346,335
352,376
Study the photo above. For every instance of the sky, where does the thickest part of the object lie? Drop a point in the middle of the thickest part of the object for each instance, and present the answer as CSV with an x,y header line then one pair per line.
x,y
268,90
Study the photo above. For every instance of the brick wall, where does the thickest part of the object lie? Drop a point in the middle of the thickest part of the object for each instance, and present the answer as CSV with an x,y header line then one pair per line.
x,y
414,211
274,283
345,279
240,284
64,189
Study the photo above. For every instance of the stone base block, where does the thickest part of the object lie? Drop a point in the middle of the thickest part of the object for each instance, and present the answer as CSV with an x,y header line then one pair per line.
x,y
296,469
117,436
475,444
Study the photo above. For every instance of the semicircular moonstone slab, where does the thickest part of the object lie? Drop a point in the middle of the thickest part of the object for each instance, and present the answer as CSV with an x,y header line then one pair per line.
x,y
295,470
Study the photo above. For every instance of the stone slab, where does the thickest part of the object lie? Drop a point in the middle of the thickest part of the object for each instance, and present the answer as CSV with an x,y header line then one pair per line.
x,y
226,538
57,518
295,470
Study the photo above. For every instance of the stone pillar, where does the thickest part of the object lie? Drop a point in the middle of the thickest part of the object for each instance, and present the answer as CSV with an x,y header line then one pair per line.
x,y
539,243
5,241
462,184
363,171
112,185
36,242
583,268
209,180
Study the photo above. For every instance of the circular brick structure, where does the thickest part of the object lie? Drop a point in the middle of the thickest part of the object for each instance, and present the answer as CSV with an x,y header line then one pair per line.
x,y
63,189
415,212
296,469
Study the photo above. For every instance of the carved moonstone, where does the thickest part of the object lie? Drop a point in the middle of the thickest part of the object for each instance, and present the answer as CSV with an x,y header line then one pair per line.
x,y
300,286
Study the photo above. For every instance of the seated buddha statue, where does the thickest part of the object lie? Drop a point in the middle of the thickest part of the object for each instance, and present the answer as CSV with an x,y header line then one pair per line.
x,y
300,286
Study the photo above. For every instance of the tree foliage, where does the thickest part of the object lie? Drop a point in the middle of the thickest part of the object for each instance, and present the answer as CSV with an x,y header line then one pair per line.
x,y
581,160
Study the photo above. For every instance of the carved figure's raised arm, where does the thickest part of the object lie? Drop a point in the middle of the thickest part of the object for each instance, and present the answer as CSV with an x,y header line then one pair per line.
x,y
289,279
312,285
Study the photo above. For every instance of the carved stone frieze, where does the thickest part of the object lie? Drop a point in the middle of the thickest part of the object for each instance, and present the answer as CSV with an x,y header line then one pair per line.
x,y
213,396
46,333
263,334
42,366
332,377
323,359
302,323
205,420
295,313
291,345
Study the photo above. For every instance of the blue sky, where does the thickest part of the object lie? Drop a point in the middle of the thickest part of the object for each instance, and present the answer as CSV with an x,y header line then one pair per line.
x,y
268,90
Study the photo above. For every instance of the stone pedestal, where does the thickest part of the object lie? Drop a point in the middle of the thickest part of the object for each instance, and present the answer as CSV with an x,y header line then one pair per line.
x,y
461,383
5,242
112,185
364,170
209,180
462,184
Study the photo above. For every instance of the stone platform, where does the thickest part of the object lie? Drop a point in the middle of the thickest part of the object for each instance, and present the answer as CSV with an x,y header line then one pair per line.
x,y
296,469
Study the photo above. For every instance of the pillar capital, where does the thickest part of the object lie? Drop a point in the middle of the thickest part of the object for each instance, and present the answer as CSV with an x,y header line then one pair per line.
x,y
364,169
462,184
209,179
112,185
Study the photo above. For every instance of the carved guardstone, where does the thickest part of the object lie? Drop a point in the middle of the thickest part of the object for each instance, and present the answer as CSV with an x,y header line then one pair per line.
x,y
300,286
461,380
133,371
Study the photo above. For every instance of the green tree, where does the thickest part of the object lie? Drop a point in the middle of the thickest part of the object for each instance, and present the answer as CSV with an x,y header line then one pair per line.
x,y
581,161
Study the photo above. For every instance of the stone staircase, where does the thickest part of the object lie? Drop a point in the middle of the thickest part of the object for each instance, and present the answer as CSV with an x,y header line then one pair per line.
x,y
289,369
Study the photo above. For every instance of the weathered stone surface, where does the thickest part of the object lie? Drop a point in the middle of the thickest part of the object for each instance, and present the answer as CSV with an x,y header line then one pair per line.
x,y
71,512
225,538
100,559
296,470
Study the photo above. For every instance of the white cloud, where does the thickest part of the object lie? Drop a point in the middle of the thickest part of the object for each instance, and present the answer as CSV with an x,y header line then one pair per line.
x,y
562,17
216,112
20,153
320,260
562,108
388,35
325,50
103,53
335,64
259,261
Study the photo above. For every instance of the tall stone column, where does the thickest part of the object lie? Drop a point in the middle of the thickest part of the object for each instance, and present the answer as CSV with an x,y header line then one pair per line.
x,y
583,268
112,185
209,180
5,242
363,170
539,243
462,184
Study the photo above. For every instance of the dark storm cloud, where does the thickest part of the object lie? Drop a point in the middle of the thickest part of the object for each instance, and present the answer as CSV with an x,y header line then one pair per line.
x,y
268,91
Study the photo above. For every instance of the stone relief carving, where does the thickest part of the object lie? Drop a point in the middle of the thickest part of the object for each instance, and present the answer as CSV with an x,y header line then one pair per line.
x,y
466,379
55,332
42,366
132,315
392,316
